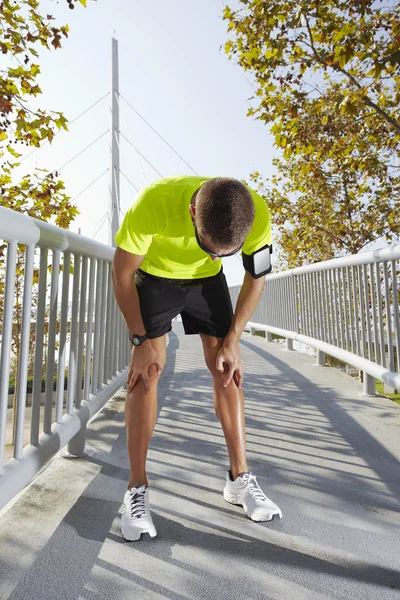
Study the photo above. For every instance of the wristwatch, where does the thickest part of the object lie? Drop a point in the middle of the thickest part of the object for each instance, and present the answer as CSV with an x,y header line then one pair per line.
x,y
137,340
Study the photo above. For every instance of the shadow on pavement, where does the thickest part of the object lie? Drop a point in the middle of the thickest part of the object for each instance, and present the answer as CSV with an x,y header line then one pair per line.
x,y
298,436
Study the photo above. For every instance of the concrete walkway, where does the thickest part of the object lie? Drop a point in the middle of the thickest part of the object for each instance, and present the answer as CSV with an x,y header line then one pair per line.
x,y
328,456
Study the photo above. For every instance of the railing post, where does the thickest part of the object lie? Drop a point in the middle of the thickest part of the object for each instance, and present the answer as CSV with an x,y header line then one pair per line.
x,y
76,445
289,344
252,331
320,358
269,336
369,387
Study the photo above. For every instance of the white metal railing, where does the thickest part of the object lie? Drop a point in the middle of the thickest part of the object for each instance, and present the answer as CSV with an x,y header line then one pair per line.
x,y
81,326
346,307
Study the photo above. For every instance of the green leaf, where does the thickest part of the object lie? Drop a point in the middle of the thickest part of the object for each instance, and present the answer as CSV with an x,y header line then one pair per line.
x,y
61,122
378,70
348,29
394,58
13,152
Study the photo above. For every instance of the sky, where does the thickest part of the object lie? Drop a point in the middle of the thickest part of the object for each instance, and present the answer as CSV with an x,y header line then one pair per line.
x,y
173,70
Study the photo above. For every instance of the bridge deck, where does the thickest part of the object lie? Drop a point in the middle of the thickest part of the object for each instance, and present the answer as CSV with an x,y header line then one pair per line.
x,y
326,455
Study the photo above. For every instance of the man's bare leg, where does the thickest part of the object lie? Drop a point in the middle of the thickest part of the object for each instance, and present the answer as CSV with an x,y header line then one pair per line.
x,y
229,408
140,416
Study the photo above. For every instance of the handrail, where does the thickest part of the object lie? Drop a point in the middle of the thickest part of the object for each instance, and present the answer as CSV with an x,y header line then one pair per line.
x,y
380,255
27,230
387,376
347,307
64,328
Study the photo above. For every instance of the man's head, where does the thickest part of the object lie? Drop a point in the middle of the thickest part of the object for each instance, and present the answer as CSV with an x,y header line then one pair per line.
x,y
223,213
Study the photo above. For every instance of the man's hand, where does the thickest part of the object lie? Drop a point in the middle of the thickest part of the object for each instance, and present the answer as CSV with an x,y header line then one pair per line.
x,y
145,363
230,364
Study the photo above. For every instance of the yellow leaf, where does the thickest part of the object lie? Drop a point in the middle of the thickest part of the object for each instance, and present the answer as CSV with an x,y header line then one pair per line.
x,y
13,152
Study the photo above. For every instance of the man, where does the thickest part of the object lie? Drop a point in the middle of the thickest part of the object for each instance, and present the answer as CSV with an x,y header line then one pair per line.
x,y
168,262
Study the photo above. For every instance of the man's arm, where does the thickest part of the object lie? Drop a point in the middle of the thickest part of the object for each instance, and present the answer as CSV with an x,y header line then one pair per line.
x,y
125,265
229,353
249,296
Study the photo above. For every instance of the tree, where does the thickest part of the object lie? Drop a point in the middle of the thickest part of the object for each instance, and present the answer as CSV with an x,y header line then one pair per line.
x,y
285,42
22,30
327,78
41,194
335,191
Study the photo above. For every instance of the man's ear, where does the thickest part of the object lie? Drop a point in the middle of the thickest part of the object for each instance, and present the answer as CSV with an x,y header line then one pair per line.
x,y
192,210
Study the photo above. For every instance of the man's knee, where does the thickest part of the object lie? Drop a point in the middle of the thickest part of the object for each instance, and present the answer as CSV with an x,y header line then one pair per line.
x,y
153,376
211,347
215,373
211,362
153,372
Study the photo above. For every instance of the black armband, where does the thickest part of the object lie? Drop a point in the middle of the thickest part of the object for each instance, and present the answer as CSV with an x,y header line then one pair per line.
x,y
258,263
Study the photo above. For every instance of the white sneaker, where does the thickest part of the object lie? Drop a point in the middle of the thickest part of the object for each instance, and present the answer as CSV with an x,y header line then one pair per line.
x,y
246,492
136,518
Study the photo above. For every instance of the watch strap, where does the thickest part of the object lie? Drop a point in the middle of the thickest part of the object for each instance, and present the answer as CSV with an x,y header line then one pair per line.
x,y
137,340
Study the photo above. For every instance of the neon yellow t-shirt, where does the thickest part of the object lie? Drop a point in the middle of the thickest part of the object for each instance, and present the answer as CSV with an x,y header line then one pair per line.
x,y
158,226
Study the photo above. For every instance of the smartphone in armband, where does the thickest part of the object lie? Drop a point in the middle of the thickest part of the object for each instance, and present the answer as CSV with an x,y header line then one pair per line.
x,y
259,262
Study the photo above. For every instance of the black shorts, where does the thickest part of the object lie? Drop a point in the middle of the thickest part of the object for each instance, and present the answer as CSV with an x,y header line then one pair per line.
x,y
204,304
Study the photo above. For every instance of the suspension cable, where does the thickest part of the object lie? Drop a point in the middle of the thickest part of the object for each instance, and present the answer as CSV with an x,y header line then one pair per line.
x,y
123,162
138,151
90,184
67,163
103,220
127,178
69,123
93,228
81,152
159,135
129,133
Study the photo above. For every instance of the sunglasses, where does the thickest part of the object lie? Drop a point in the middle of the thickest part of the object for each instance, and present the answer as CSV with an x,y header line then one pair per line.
x,y
213,253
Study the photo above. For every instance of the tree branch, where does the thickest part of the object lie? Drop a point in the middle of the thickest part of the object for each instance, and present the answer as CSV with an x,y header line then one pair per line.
x,y
368,100
340,69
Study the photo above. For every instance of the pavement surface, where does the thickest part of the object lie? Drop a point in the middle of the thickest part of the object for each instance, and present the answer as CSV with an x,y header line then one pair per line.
x,y
326,455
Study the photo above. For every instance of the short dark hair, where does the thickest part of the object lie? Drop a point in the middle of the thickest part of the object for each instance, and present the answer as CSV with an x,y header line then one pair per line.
x,y
224,211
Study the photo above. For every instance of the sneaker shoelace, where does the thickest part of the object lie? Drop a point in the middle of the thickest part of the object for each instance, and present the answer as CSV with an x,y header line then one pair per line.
x,y
137,502
253,487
